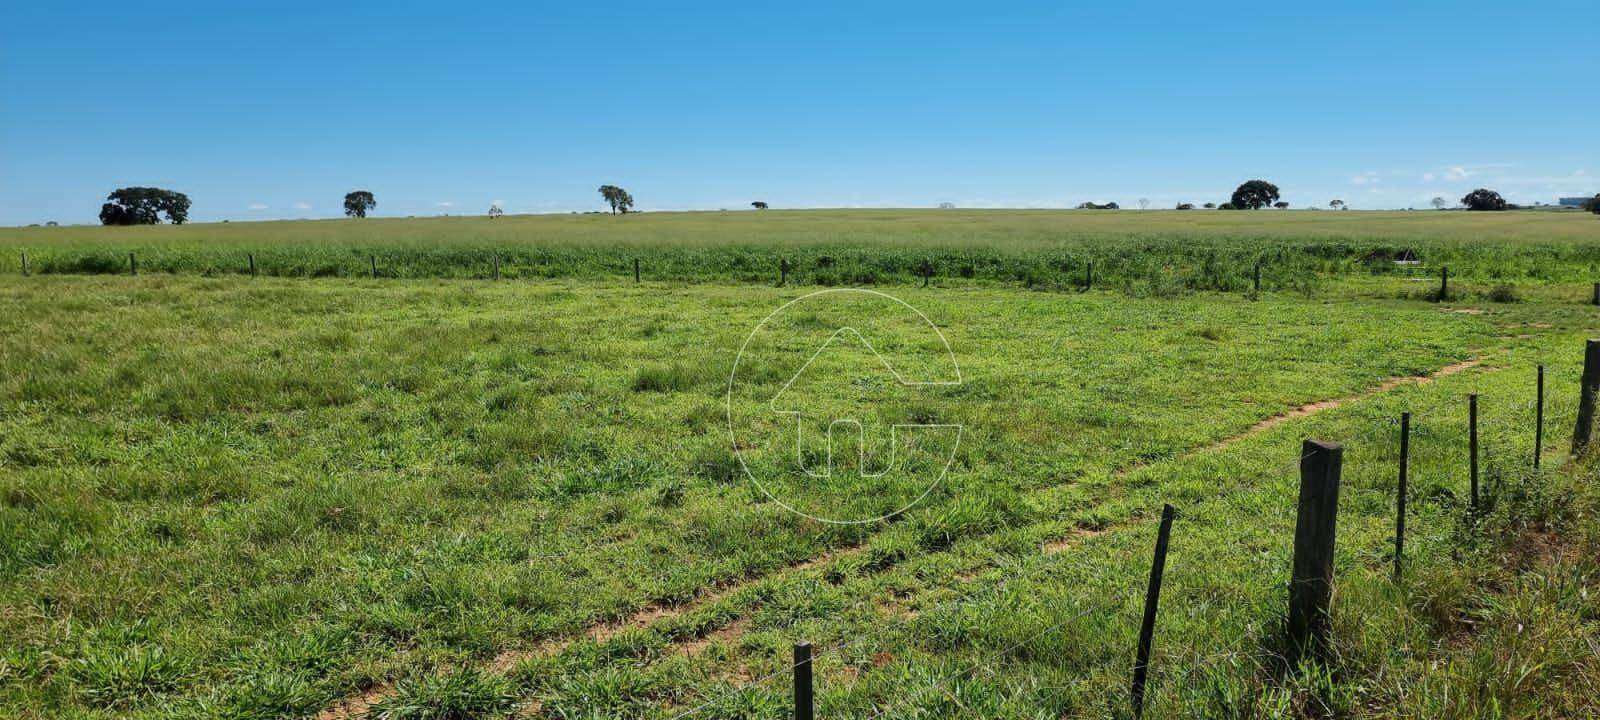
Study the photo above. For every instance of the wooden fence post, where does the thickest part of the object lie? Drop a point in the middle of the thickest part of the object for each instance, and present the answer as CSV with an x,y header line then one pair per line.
x,y
1258,277
374,259
1538,423
1472,445
1152,599
1444,284
1587,388
24,264
1311,579
803,703
1400,494
252,257
783,271
1596,299
497,267
1088,276
636,269
133,264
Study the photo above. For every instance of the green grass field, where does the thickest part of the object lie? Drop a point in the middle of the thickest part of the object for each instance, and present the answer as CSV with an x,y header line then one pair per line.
x,y
1141,251
269,497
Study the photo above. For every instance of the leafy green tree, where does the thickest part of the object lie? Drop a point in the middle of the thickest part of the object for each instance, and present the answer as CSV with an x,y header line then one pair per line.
x,y
144,206
358,202
1337,204
619,199
1210,206
1227,206
1440,203
1593,205
1254,195
1185,206
759,205
495,211
1281,205
1484,199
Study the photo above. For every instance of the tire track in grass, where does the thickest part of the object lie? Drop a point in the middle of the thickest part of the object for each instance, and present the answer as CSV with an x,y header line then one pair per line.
x,y
357,706
1078,535
1072,538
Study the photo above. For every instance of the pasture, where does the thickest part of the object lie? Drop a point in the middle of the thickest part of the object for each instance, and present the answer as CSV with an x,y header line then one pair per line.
x,y
1149,252
432,495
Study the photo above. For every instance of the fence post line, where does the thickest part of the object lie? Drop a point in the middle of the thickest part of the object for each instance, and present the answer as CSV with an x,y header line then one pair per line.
x,y
1538,424
1400,494
1587,387
1311,579
1152,599
133,264
803,702
1472,445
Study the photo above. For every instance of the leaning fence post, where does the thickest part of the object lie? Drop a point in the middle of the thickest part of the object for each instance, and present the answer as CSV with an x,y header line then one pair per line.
x,y
1538,423
374,259
1400,494
802,681
1587,388
1472,444
252,257
1152,598
1311,579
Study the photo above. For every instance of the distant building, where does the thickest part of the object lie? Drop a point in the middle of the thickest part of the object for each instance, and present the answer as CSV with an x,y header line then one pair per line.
x,y
1574,201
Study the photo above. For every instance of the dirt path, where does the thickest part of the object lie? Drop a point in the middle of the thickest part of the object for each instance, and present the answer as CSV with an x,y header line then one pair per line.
x,y
358,706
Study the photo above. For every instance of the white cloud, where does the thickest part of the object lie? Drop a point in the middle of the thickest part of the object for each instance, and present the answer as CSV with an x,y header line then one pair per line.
x,y
257,206
302,206
445,204
1365,178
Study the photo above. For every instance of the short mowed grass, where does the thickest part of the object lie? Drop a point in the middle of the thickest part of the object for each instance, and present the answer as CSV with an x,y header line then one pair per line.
x,y
236,497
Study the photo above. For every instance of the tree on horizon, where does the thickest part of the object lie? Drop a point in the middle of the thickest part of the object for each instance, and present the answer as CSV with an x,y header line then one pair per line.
x,y
619,199
358,202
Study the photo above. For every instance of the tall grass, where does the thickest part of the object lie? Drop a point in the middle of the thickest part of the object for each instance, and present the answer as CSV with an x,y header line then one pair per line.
x,y
1142,252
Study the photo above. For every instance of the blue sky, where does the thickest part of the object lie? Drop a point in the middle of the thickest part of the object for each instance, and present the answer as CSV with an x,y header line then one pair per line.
x,y
274,110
